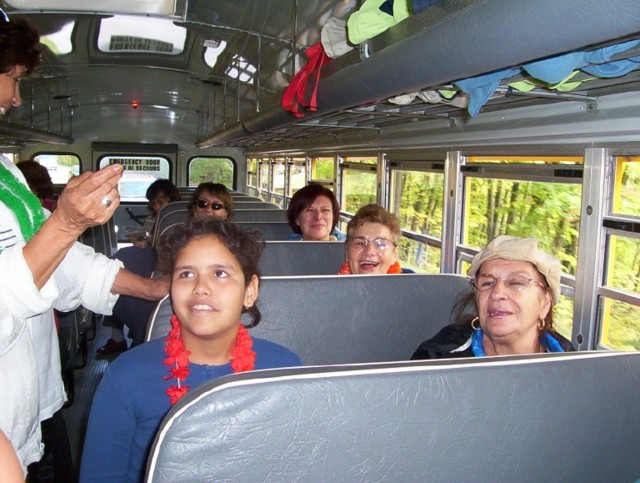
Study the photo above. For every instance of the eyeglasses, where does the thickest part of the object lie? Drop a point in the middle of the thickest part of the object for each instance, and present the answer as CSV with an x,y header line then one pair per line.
x,y
360,243
215,206
515,282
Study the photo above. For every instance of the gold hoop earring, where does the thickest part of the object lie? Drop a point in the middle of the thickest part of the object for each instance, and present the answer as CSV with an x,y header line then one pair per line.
x,y
473,322
541,324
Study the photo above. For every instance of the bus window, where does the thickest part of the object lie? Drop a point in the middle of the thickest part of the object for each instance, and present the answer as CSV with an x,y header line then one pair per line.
x,y
277,181
548,210
215,170
417,200
61,167
139,173
60,41
620,326
252,173
322,169
619,317
359,182
627,191
263,176
297,175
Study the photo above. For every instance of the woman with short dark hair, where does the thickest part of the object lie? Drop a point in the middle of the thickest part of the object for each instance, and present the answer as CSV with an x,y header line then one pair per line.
x,y
313,214
211,199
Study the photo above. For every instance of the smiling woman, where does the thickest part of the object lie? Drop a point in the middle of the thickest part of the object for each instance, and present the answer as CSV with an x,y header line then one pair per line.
x,y
313,214
373,235
516,286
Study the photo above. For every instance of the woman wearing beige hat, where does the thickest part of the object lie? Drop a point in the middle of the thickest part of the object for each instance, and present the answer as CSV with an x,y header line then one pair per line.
x,y
515,287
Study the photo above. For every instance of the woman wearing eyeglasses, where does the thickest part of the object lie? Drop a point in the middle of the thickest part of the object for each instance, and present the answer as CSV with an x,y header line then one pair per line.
x,y
211,199
515,287
372,241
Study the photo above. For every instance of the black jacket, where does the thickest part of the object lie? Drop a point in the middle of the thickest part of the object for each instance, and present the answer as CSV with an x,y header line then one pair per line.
x,y
452,337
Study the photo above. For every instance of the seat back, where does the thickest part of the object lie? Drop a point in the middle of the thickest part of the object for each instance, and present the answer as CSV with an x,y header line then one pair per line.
x,y
271,230
259,215
102,238
170,214
535,418
289,258
343,319
241,204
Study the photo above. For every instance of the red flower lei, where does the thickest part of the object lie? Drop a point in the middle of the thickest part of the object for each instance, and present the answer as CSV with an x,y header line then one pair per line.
x,y
346,270
243,358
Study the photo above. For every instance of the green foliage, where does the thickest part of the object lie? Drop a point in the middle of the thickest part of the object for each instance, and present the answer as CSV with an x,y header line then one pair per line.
x,y
549,212
622,331
419,209
216,170
359,189
323,169
630,189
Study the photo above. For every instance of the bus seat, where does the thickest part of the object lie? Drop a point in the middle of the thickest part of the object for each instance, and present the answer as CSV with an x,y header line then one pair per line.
x,y
546,417
168,221
259,215
253,212
102,238
287,258
338,319
159,320
271,230
240,204
174,211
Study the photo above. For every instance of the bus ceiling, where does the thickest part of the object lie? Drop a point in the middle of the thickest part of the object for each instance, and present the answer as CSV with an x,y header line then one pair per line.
x,y
187,102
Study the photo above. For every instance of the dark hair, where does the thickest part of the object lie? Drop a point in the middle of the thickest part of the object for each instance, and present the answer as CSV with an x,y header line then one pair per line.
x,y
245,245
373,213
37,177
465,310
214,189
20,45
304,197
162,187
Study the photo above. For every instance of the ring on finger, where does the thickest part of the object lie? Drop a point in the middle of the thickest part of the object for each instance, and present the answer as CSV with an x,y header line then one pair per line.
x,y
106,201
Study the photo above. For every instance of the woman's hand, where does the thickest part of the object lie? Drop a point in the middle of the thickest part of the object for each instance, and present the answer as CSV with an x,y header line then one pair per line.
x,y
83,203
80,206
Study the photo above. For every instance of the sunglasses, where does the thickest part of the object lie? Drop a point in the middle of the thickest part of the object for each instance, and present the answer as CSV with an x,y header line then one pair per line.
x,y
215,206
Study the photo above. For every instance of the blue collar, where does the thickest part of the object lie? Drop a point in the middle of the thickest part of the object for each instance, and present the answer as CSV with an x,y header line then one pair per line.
x,y
548,341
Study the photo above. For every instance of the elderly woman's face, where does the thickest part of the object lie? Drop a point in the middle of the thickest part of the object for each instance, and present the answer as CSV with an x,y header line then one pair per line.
x,y
316,220
507,315
208,204
10,88
371,249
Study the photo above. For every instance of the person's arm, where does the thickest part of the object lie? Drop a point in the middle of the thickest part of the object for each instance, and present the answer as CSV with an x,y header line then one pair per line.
x,y
10,470
128,283
79,207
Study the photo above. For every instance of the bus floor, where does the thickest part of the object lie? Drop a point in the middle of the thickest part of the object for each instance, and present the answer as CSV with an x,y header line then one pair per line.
x,y
86,381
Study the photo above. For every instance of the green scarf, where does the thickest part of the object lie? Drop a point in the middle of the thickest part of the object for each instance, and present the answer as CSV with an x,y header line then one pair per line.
x,y
23,203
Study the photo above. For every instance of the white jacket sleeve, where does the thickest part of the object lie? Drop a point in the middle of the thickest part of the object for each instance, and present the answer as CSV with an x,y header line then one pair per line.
x,y
19,297
85,278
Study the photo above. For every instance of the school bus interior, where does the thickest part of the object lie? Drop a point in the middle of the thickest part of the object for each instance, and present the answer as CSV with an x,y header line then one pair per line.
x,y
167,81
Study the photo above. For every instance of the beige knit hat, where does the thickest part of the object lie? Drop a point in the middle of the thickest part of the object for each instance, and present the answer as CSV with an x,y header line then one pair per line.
x,y
521,249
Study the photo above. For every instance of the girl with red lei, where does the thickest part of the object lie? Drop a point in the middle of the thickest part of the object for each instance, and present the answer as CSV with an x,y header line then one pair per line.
x,y
214,287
